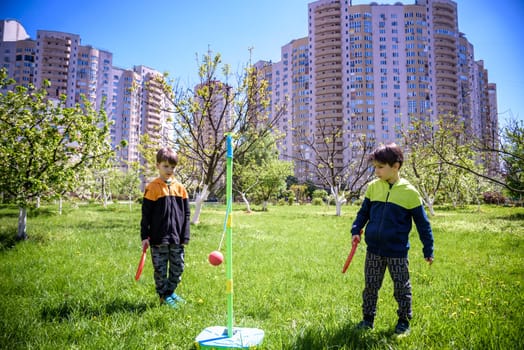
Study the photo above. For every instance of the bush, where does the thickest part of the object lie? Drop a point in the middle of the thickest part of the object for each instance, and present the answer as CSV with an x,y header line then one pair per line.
x,y
317,201
494,198
320,194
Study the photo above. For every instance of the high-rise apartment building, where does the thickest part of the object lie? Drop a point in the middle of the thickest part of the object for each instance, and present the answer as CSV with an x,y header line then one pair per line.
x,y
132,98
124,112
56,61
290,91
296,57
17,52
93,80
373,69
442,37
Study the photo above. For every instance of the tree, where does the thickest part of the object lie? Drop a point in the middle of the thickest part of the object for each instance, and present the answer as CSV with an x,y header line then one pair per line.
x,y
506,146
250,165
126,183
512,154
272,180
148,148
431,147
300,192
45,146
343,175
204,116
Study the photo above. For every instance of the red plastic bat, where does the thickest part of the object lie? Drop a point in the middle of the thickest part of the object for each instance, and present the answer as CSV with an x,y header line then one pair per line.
x,y
141,264
351,253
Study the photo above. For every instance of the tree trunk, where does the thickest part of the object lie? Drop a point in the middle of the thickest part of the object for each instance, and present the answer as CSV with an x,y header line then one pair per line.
x,y
339,200
104,196
22,224
199,202
428,201
244,198
338,206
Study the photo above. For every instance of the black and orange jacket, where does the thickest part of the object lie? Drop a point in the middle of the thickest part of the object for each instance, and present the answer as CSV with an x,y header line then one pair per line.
x,y
165,213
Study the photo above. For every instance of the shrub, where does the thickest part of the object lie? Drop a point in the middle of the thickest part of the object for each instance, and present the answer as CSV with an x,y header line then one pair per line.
x,y
493,197
317,201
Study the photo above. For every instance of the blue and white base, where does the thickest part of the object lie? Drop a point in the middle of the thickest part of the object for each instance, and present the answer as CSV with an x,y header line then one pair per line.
x,y
216,338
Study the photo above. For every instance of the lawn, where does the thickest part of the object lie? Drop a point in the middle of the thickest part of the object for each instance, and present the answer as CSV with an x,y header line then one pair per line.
x,y
71,285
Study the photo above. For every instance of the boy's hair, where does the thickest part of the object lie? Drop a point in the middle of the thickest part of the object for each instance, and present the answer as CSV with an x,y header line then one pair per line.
x,y
387,154
167,155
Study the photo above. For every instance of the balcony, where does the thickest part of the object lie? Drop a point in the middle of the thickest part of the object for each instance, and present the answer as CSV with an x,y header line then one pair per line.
x,y
329,74
330,99
446,75
448,44
326,37
445,61
445,83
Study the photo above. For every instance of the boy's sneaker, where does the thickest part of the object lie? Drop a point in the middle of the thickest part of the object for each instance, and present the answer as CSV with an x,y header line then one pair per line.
x,y
365,325
169,301
402,328
177,298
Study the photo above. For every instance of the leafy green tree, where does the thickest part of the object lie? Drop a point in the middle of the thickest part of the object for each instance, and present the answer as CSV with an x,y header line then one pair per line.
x,y
300,191
512,154
321,194
432,147
272,180
246,178
45,147
148,148
249,165
126,183
488,152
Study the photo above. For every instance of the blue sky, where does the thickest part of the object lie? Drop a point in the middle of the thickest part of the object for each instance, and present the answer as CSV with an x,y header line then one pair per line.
x,y
168,34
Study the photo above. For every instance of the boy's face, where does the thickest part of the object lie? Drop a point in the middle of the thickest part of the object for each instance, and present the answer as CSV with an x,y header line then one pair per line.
x,y
165,169
386,172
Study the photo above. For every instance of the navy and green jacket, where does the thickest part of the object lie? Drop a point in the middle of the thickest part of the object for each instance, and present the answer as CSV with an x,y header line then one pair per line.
x,y
165,213
387,213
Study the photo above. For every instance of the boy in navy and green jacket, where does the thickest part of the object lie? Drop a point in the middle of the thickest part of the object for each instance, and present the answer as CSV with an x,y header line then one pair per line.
x,y
390,206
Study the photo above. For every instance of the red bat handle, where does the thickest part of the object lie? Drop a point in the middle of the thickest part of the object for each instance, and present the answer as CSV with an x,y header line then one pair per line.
x,y
141,263
350,256
351,253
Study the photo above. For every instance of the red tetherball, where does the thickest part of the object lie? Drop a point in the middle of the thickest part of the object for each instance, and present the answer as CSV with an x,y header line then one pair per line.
x,y
215,258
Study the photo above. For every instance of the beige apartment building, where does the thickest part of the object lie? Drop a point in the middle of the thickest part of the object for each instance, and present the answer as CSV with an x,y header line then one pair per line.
x,y
290,97
375,68
56,61
17,52
132,98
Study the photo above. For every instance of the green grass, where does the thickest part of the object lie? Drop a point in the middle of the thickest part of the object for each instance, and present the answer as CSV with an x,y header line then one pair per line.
x,y
71,285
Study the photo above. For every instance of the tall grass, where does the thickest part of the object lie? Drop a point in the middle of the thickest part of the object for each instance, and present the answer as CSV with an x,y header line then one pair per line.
x,y
71,285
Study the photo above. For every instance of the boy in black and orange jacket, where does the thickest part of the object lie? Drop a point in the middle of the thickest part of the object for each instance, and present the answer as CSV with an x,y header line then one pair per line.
x,y
165,227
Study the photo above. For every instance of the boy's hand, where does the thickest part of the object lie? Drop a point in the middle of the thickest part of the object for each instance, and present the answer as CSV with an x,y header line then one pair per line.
x,y
145,244
355,239
429,260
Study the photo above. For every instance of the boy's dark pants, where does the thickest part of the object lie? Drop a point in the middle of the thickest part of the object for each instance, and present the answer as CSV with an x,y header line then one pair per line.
x,y
375,267
167,277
